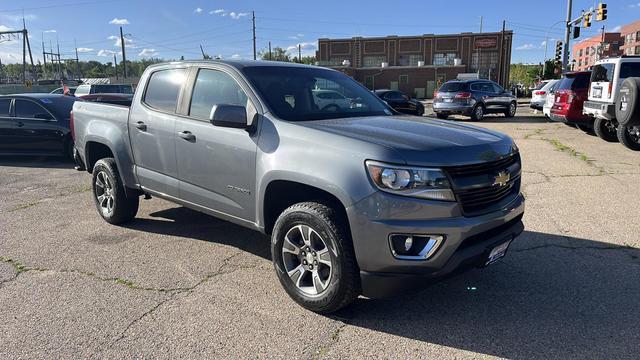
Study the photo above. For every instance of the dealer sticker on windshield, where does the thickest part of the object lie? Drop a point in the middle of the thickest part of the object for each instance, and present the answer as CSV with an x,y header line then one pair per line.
x,y
498,252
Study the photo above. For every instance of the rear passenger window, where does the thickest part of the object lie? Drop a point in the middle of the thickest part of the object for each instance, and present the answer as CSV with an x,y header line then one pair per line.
x,y
163,89
28,110
4,107
214,87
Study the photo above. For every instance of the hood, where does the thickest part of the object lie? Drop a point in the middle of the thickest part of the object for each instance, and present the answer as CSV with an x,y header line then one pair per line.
x,y
420,141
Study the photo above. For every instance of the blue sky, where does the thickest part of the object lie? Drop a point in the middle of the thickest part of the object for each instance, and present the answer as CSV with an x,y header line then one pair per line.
x,y
170,29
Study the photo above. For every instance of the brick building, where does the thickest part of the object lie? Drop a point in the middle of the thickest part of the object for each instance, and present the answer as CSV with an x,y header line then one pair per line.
x,y
588,51
631,35
416,65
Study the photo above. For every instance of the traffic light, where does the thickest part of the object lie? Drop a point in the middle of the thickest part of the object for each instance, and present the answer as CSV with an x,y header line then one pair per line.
x,y
601,12
558,51
576,32
586,20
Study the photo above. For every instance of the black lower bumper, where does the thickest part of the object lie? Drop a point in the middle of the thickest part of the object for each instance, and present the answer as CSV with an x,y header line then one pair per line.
x,y
380,285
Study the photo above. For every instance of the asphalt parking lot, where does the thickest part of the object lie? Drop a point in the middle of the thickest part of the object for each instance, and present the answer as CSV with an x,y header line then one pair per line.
x,y
178,284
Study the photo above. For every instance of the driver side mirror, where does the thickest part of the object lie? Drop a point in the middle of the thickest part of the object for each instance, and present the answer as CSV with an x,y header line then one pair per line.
x,y
231,116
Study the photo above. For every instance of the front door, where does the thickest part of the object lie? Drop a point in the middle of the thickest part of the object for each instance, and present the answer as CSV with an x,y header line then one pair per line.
x,y
6,126
152,129
35,129
216,165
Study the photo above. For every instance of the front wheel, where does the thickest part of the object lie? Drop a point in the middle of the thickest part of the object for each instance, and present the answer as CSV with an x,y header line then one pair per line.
x,y
511,111
629,136
313,257
605,129
109,194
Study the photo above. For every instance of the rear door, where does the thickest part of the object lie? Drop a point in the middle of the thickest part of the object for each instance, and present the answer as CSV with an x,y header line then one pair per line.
x,y
36,129
502,99
7,127
152,129
397,101
216,165
489,96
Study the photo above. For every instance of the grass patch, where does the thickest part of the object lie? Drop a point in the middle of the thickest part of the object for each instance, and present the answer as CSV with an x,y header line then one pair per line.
x,y
535,132
15,263
24,206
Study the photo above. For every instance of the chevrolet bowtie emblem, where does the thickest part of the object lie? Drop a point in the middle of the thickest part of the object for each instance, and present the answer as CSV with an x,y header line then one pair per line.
x,y
502,178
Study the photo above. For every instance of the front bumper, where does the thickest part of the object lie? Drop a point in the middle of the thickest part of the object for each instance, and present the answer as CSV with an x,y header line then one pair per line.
x,y
466,241
600,110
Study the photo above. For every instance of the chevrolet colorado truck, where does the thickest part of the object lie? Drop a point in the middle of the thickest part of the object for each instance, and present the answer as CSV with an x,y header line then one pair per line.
x,y
356,200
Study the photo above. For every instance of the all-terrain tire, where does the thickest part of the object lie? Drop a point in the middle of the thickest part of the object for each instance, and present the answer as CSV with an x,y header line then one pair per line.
x,y
115,206
605,129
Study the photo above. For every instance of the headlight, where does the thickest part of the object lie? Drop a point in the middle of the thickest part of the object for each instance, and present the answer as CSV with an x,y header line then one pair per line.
x,y
425,183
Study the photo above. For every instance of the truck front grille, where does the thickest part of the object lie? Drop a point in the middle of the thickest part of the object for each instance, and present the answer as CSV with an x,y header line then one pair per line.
x,y
475,187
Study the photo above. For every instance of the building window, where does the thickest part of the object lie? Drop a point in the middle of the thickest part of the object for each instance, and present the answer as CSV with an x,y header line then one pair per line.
x,y
637,50
410,60
373,61
444,58
579,63
404,79
488,60
580,53
638,35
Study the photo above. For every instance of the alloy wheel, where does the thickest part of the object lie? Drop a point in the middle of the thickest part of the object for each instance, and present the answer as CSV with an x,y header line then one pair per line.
x,y
307,260
634,133
104,193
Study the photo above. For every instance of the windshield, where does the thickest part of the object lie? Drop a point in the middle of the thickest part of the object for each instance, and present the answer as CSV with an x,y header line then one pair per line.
x,y
113,89
453,87
292,93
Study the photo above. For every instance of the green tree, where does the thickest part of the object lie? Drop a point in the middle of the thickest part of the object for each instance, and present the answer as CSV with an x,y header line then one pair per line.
x,y
277,54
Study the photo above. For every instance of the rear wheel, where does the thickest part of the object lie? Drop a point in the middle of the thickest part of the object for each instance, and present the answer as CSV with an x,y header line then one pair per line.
x,y
478,113
442,116
109,194
511,112
629,136
313,257
606,130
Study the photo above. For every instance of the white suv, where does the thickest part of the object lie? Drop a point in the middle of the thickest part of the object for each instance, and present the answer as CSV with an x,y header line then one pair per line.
x,y
606,77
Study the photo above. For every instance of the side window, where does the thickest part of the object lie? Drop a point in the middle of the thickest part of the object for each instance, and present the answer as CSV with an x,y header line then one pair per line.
x,y
214,87
4,107
29,110
163,89
394,96
476,87
82,90
497,89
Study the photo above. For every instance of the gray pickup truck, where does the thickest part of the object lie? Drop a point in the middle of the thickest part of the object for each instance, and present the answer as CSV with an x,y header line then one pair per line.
x,y
356,199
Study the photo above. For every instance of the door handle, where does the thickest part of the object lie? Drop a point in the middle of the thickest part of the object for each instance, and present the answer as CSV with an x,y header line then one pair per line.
x,y
141,126
187,135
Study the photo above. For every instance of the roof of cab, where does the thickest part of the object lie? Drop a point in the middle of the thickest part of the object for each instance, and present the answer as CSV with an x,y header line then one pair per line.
x,y
238,64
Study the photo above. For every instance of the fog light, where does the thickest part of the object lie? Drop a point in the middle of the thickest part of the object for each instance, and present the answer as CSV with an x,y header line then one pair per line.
x,y
413,246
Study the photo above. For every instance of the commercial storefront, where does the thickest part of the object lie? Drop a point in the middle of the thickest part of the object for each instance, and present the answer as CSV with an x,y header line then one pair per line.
x,y
416,65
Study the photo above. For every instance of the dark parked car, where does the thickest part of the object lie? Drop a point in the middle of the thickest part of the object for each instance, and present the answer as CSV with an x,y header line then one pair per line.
x,y
36,124
114,99
570,94
401,102
86,89
473,98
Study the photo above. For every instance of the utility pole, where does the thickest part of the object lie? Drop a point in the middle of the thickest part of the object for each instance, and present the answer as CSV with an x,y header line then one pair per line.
x,y
299,53
479,52
270,50
59,61
115,66
202,51
24,53
44,58
499,76
124,57
600,52
567,37
253,20
78,75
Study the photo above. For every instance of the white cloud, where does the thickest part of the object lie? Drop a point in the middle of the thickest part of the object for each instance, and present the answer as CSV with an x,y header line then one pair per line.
x,y
634,5
217,12
5,28
50,31
526,47
117,21
296,36
148,53
127,42
198,10
237,16
303,46
616,28
104,52
84,50
236,56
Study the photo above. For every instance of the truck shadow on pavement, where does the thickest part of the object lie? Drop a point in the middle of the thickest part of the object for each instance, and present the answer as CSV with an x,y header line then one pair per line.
x,y
552,297
45,162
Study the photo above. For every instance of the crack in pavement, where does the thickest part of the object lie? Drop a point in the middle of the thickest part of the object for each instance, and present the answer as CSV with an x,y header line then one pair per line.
x,y
220,271
334,338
